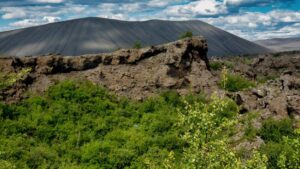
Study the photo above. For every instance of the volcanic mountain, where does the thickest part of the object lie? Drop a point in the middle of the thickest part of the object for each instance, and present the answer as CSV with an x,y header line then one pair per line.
x,y
281,44
98,35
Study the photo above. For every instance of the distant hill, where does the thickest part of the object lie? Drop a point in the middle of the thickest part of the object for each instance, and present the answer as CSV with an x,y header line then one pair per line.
x,y
281,44
98,35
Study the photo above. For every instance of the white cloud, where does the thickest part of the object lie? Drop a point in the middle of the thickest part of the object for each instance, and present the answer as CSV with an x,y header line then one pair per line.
x,y
197,8
161,3
13,13
51,19
25,23
120,8
158,3
237,2
285,16
287,31
117,11
32,12
48,1
250,25
256,25
34,22
247,2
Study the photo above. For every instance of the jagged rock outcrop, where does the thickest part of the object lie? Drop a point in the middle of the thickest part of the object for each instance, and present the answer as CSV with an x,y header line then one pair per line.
x,y
135,73
277,98
278,79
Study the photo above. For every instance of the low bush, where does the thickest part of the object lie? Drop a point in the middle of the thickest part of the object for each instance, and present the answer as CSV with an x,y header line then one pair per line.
x,y
250,132
137,45
264,78
187,34
274,130
282,143
228,64
216,65
206,129
234,82
273,151
284,154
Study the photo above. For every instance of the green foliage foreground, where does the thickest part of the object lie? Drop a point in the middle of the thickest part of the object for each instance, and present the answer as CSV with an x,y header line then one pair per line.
x,y
80,125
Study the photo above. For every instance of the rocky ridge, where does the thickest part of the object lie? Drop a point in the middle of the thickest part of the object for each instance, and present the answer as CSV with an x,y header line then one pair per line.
x,y
134,73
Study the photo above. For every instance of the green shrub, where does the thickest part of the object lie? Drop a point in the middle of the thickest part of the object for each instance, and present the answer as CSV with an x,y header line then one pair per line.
x,y
264,79
137,45
273,151
81,125
205,131
250,132
6,165
172,98
289,158
228,64
274,130
246,60
277,54
215,65
235,82
187,34
284,154
218,65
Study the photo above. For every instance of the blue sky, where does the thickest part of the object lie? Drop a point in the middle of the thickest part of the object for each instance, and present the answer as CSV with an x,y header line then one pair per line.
x,y
250,19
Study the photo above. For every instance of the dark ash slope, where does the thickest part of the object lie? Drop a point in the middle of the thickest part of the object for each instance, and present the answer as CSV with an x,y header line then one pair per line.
x,y
281,44
97,35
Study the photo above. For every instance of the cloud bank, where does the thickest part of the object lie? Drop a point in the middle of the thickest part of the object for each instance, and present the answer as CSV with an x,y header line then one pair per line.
x,y
251,19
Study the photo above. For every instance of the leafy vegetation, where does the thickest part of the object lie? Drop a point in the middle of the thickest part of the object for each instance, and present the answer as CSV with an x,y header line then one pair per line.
x,y
250,132
187,34
247,60
289,158
282,143
274,130
216,65
265,78
247,120
137,45
284,154
80,125
234,82
207,128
